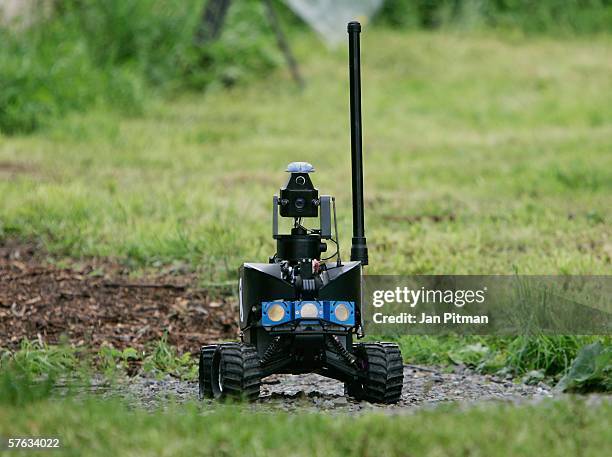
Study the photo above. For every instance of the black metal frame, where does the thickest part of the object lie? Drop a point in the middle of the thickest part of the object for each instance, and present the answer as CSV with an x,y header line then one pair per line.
x,y
263,282
322,347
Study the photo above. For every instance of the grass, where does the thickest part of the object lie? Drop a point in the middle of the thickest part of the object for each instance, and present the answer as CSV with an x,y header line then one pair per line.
x,y
568,427
118,55
91,427
544,16
548,357
37,360
543,358
484,154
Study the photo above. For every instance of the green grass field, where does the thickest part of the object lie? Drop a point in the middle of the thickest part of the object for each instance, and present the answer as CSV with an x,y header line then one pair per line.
x,y
570,427
484,154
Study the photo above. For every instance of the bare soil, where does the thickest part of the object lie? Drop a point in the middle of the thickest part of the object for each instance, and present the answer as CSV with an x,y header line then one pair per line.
x,y
96,303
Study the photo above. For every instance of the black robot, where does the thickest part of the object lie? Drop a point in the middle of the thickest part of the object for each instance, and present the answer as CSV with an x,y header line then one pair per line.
x,y
300,313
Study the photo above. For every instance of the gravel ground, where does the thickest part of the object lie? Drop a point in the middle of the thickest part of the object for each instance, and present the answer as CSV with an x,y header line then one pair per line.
x,y
423,387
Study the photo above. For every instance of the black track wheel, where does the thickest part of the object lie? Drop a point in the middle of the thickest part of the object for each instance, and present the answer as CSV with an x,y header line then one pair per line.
x,y
235,372
383,369
205,370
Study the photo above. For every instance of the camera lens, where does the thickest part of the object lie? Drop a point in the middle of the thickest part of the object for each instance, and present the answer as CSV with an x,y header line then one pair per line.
x,y
300,203
300,180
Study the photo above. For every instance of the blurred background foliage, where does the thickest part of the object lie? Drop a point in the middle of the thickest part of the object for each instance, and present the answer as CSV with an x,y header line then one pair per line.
x,y
543,16
120,53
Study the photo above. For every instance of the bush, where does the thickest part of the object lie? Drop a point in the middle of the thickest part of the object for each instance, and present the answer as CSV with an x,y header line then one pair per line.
x,y
112,52
42,79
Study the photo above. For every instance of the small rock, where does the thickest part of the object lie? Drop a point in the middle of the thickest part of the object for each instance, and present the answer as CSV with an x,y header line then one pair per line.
x,y
340,401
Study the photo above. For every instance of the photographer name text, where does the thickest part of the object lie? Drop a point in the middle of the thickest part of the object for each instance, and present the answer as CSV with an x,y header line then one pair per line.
x,y
445,318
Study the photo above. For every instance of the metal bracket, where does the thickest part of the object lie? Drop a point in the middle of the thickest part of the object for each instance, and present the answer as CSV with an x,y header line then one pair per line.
x,y
275,217
325,212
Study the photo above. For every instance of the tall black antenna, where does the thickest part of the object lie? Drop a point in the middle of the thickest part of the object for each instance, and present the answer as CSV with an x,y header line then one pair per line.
x,y
359,248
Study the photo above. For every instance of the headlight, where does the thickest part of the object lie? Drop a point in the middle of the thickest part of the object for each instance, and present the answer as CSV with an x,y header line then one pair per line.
x,y
341,312
309,311
276,313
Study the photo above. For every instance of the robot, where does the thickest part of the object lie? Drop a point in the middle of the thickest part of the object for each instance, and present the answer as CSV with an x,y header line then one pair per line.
x,y
301,312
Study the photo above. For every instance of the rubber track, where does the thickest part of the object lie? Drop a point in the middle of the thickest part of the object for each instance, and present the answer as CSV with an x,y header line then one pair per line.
x,y
385,372
205,370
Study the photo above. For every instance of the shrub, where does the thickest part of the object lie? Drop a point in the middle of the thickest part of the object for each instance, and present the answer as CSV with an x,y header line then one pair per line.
x,y
112,52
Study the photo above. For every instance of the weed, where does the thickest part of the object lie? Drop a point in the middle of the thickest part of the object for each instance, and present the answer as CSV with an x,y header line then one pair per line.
x,y
39,360
164,360
590,371
18,387
29,374
113,362
531,357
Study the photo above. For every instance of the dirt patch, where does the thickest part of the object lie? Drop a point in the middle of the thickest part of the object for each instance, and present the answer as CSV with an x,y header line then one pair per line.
x,y
97,303
12,169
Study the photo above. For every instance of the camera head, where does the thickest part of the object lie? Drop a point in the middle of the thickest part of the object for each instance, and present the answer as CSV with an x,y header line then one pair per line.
x,y
299,198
